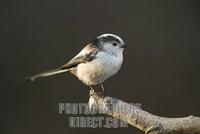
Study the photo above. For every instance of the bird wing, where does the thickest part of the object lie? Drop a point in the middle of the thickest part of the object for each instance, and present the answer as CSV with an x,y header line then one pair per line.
x,y
87,54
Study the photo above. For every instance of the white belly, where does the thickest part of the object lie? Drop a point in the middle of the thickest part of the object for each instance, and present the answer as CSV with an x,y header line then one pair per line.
x,y
100,69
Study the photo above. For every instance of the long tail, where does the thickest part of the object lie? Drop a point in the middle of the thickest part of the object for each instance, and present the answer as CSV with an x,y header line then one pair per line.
x,y
47,73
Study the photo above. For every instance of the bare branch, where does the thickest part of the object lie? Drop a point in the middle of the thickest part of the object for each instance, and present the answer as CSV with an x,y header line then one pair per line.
x,y
145,121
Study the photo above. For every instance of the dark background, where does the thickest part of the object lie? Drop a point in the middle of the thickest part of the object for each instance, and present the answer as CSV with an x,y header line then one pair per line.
x,y
160,70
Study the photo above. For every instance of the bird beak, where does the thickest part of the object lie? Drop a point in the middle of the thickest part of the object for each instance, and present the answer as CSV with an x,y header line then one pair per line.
x,y
124,46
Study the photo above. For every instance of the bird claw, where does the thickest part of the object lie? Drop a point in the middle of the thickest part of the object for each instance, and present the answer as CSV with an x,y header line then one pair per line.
x,y
93,92
100,94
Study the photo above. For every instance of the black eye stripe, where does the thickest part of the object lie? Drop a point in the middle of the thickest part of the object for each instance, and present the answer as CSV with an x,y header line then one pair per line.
x,y
110,38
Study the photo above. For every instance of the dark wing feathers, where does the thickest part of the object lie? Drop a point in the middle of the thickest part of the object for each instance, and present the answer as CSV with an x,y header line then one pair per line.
x,y
89,56
80,59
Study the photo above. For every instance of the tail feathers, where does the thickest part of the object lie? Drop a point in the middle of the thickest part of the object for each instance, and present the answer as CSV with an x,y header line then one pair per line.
x,y
46,74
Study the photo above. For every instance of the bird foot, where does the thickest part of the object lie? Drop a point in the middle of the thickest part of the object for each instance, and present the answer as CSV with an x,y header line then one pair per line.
x,y
96,92
93,92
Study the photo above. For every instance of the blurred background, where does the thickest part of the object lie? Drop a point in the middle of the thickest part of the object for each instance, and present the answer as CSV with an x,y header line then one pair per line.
x,y
160,70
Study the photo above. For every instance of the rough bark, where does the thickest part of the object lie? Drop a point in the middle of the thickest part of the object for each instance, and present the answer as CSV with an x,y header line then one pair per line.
x,y
145,121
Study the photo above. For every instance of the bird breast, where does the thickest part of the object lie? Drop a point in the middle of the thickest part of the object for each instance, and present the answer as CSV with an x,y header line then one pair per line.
x,y
100,69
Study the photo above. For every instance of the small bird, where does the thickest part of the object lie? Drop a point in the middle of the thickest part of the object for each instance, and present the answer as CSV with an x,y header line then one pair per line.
x,y
96,62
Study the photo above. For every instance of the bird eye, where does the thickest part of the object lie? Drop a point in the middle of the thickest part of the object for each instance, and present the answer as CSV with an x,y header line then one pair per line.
x,y
114,44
